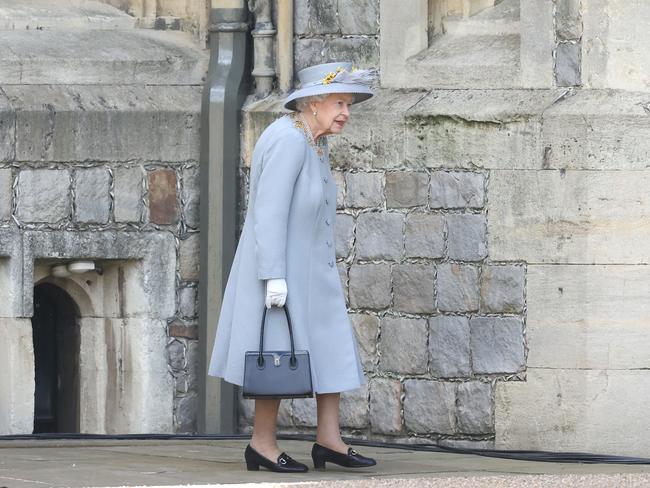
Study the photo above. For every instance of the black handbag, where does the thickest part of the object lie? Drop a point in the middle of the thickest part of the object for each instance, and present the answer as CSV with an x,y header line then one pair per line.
x,y
277,374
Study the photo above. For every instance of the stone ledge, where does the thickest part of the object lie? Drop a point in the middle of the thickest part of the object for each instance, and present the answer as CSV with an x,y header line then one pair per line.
x,y
72,123
491,129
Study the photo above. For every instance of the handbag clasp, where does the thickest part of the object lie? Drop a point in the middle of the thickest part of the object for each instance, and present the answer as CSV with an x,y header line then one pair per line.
x,y
276,359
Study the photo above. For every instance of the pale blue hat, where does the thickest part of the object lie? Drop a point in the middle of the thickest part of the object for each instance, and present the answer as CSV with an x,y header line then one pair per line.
x,y
323,79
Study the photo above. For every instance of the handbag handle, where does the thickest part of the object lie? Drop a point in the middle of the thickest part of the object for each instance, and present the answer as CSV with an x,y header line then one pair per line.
x,y
260,358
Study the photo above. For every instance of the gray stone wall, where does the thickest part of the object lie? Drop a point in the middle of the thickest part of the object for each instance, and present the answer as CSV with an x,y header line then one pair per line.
x,y
336,30
94,162
568,38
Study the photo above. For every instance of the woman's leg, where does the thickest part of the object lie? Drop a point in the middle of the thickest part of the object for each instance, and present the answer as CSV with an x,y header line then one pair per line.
x,y
264,429
328,432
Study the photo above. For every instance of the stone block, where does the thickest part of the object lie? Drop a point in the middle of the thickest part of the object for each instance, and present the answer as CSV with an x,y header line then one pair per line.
x,y
285,413
127,187
6,193
577,217
370,286
189,257
176,353
457,189
458,288
588,317
497,344
361,51
344,234
406,189
190,196
536,50
467,237
385,406
308,52
354,408
323,17
430,407
358,18
449,346
92,200
424,236
403,345
414,288
17,380
246,411
366,328
379,236
568,64
115,123
301,13
7,129
187,302
339,181
163,202
475,408
502,289
43,195
575,410
304,412
364,189
186,412
568,19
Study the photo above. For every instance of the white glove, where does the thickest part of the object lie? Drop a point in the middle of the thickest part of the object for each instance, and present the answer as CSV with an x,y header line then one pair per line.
x,y
276,292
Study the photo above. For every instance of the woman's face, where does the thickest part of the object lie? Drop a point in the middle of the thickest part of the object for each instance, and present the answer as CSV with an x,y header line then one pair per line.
x,y
332,113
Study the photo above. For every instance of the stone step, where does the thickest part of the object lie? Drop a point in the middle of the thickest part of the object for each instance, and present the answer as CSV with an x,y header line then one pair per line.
x,y
136,56
502,19
99,123
467,61
62,15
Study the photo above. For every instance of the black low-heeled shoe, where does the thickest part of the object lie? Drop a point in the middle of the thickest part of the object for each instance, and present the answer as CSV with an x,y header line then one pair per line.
x,y
284,464
352,459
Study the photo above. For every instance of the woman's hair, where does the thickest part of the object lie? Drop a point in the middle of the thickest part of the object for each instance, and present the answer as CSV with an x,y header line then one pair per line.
x,y
302,104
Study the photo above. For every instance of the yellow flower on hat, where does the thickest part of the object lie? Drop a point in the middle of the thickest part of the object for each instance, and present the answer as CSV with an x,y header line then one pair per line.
x,y
331,75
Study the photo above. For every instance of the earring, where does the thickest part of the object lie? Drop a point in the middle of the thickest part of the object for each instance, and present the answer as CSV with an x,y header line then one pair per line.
x,y
315,114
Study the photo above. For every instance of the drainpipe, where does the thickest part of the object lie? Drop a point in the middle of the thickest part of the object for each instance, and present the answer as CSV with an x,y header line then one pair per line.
x,y
285,45
263,37
226,87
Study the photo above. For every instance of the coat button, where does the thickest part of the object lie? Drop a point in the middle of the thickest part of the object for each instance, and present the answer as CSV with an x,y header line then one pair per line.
x,y
331,263
325,179
327,201
329,243
327,221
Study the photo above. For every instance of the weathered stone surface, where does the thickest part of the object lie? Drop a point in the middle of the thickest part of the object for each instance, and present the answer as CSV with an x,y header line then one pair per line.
x,y
497,344
190,196
475,408
127,186
320,15
187,302
304,412
568,63
575,410
285,413
358,18
379,236
43,195
342,268
7,130
406,189
458,288
364,189
366,327
189,257
385,406
178,329
301,16
588,317
403,345
429,406
597,129
578,217
73,125
457,189
308,52
92,199
449,346
185,412
414,288
354,408
163,203
343,233
176,352
6,193
467,239
536,48
17,380
424,236
362,51
502,289
568,20
339,181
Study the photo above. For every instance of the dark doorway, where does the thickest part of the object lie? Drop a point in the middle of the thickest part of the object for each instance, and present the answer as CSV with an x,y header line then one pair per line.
x,y
56,355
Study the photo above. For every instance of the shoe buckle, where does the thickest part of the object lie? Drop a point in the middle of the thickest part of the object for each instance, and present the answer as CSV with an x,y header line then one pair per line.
x,y
353,452
283,461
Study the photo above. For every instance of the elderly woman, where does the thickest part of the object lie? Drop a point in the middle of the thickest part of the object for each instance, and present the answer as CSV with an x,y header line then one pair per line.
x,y
286,254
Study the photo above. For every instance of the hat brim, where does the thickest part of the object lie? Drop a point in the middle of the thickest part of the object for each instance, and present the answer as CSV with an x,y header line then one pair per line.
x,y
361,93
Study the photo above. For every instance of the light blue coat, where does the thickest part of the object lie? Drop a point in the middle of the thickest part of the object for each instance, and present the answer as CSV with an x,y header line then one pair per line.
x,y
288,233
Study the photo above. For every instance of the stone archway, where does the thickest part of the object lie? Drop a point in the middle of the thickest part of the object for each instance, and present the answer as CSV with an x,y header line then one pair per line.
x,y
56,335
